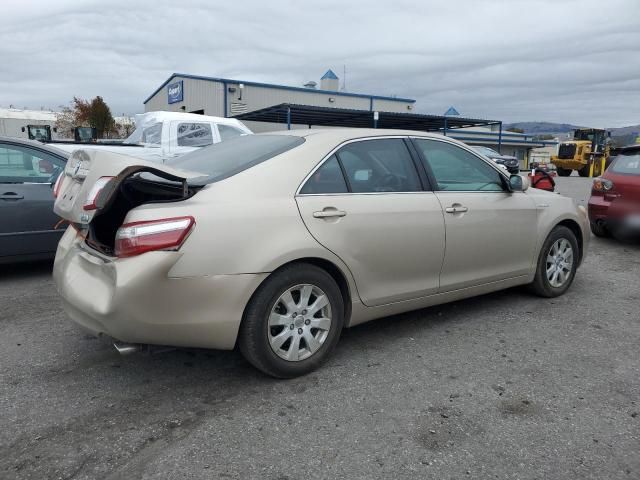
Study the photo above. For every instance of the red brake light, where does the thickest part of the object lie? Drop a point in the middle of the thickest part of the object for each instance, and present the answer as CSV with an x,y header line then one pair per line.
x,y
90,203
140,237
58,184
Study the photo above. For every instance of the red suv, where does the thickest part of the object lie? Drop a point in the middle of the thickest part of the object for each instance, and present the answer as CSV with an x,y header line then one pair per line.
x,y
614,206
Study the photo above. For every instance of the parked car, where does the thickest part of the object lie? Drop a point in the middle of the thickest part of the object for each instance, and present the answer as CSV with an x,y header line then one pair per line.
x,y
29,230
160,136
512,164
543,167
278,241
614,205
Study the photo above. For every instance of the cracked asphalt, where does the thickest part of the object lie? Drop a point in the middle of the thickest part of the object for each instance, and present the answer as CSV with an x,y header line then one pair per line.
x,y
505,385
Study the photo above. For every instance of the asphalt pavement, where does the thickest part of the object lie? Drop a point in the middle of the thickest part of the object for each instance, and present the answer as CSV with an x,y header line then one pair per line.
x,y
506,385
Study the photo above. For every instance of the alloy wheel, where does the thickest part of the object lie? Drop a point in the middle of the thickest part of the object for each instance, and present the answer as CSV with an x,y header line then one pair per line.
x,y
299,322
559,263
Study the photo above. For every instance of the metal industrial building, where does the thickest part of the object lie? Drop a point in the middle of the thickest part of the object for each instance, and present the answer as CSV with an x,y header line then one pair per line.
x,y
224,97
263,107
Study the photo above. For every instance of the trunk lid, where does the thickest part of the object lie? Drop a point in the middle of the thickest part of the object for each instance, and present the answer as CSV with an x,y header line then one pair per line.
x,y
85,167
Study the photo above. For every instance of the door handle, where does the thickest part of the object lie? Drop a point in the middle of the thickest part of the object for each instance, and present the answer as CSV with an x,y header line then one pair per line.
x,y
329,213
456,208
11,196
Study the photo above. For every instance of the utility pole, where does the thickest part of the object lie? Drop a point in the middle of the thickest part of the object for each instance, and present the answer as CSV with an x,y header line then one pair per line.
x,y
344,78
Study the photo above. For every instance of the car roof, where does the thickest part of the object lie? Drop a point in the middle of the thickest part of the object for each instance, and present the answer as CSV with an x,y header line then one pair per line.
x,y
35,144
342,134
162,115
630,148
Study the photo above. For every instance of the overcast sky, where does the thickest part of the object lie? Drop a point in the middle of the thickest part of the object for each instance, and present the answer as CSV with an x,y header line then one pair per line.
x,y
575,61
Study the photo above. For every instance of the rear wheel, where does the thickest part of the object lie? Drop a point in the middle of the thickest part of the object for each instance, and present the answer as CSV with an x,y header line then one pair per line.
x,y
564,172
599,229
293,322
557,263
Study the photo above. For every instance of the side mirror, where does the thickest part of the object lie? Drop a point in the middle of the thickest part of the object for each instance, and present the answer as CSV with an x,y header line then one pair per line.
x,y
518,183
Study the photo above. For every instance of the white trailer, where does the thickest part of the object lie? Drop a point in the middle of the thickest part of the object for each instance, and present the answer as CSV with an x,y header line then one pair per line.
x,y
14,122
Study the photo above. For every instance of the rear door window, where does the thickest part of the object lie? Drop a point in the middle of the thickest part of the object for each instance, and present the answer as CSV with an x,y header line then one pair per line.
x,y
194,134
377,166
28,165
326,179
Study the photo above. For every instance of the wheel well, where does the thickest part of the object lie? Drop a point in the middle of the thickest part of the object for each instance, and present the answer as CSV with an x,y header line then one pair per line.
x,y
577,231
337,276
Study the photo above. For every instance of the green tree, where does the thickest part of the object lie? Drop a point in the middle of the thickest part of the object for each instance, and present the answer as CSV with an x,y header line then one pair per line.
x,y
84,113
515,130
99,117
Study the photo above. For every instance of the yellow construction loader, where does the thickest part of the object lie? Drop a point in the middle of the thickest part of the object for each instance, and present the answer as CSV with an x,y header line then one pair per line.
x,y
588,153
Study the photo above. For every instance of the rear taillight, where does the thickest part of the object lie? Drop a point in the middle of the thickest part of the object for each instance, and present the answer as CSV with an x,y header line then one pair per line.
x,y
602,185
140,237
90,202
57,185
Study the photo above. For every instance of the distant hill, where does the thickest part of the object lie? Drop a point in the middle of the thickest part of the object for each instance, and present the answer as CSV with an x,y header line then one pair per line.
x,y
540,128
621,135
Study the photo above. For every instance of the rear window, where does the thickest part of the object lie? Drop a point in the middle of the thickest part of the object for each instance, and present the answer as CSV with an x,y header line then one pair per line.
x,y
225,159
627,164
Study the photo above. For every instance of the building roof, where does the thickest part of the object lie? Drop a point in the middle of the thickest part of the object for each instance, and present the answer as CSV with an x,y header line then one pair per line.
x,y
330,75
275,86
487,137
41,115
344,117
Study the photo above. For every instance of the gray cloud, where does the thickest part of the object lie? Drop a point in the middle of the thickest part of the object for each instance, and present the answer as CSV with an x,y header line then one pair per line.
x,y
571,61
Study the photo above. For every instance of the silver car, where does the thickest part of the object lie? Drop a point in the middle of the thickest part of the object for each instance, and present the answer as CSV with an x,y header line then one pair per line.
x,y
276,242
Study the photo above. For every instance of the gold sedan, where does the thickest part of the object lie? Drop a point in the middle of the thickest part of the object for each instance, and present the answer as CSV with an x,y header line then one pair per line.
x,y
276,242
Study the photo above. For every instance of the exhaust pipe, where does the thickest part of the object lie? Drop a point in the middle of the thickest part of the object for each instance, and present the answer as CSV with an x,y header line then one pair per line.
x,y
127,348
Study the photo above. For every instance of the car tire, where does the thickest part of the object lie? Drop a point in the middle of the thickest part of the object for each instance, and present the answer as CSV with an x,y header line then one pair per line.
x,y
599,229
564,172
281,299
584,171
544,283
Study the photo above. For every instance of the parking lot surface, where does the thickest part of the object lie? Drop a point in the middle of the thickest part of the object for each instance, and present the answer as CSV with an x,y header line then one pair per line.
x,y
505,385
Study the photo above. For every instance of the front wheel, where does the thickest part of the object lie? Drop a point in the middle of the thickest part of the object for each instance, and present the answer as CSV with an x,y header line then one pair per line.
x,y
557,263
584,171
563,172
292,322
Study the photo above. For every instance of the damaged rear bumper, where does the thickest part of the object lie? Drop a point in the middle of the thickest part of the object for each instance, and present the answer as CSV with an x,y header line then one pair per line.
x,y
136,300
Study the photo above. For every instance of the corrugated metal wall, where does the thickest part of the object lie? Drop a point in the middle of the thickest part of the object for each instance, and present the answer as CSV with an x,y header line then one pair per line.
x,y
209,96
392,106
261,97
198,95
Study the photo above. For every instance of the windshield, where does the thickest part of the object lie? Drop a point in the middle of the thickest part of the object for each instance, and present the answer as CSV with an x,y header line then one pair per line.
x,y
627,164
590,135
225,159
